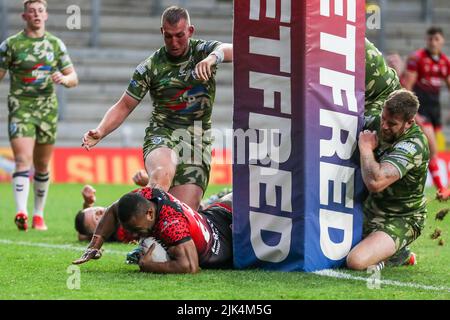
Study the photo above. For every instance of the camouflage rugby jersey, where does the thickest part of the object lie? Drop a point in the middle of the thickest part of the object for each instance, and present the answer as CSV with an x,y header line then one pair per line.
x,y
31,62
178,97
405,197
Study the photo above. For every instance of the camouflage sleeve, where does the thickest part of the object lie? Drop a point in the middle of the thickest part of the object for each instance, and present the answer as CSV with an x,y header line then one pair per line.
x,y
405,156
5,56
139,83
412,63
206,47
64,60
372,121
380,78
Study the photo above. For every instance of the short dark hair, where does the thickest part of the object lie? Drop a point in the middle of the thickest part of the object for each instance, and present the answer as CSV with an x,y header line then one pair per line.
x,y
402,102
435,30
80,225
174,14
131,205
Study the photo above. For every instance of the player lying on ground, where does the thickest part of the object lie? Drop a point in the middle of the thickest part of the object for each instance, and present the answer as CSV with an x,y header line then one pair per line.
x,y
88,218
193,239
394,160
180,77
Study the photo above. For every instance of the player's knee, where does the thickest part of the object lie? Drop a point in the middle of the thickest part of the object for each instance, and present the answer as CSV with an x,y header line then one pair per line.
x,y
22,162
355,262
162,176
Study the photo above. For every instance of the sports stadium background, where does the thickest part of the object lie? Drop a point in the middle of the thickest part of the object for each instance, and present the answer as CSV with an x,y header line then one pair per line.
x,y
115,35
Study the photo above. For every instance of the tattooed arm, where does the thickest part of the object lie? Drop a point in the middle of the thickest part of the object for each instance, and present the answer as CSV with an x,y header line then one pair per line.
x,y
376,176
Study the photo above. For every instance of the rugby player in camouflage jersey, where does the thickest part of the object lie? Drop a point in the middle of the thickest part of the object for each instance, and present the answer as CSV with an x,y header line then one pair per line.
x,y
36,60
394,163
180,78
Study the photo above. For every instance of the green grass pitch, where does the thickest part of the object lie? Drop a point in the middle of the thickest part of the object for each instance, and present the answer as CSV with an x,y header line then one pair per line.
x,y
30,268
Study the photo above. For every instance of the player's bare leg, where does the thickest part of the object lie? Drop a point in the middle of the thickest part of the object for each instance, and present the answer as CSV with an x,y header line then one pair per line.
x,y
161,165
41,159
23,154
191,194
377,247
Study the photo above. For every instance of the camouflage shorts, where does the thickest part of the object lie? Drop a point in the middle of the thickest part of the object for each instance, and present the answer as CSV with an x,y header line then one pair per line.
x,y
402,230
194,158
33,117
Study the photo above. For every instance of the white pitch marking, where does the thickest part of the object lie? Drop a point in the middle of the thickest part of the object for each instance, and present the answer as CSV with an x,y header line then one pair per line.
x,y
325,273
342,275
53,246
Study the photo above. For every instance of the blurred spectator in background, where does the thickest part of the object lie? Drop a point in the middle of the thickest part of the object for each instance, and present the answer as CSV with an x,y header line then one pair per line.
x,y
395,61
425,70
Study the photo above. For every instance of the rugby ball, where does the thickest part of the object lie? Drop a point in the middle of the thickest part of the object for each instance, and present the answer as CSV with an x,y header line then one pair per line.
x,y
159,253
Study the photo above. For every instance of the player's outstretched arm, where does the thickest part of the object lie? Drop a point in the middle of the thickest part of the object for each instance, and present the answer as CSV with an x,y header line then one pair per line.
x,y
105,227
93,250
111,121
184,259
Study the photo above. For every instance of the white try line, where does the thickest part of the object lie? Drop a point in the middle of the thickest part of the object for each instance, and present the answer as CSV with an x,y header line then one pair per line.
x,y
325,273
53,246
342,275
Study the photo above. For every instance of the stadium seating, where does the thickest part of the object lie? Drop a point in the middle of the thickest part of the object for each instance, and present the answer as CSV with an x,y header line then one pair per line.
x,y
128,35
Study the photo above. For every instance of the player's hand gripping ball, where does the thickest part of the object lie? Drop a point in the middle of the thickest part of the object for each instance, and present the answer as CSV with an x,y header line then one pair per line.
x,y
159,254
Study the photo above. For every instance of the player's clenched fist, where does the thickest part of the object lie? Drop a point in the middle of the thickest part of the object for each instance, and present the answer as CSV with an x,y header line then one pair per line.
x,y
91,138
368,140
141,178
88,194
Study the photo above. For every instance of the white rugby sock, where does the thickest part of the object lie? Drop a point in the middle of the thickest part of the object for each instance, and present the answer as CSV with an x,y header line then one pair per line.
x,y
41,184
21,188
